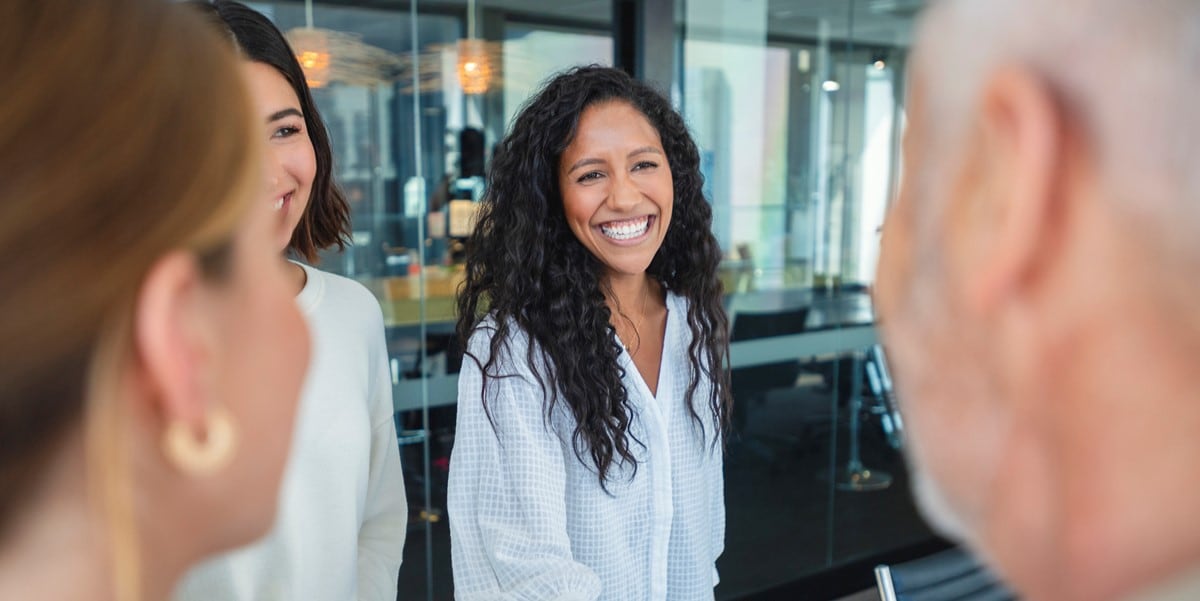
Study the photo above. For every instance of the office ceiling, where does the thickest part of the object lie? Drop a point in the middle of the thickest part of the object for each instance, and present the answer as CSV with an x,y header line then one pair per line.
x,y
869,21
880,22
887,22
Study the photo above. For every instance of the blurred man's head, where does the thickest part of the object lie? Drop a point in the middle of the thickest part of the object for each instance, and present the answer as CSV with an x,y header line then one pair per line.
x,y
1037,286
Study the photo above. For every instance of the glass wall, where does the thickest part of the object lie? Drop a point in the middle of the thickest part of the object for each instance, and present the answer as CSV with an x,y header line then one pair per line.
x,y
796,106
414,99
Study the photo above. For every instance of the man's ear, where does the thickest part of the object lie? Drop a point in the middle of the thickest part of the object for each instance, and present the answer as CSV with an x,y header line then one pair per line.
x,y
172,342
1020,129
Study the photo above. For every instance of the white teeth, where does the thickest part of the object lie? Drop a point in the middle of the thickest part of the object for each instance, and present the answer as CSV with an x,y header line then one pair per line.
x,y
626,231
278,204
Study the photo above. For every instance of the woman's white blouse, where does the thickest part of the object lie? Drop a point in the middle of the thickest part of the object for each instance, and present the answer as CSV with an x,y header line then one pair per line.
x,y
529,520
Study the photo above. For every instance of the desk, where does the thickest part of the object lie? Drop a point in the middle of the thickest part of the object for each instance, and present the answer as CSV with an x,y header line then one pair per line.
x,y
400,299
400,296
442,390
837,324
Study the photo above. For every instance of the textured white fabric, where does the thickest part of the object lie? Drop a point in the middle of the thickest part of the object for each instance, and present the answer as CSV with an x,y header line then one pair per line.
x,y
529,520
343,516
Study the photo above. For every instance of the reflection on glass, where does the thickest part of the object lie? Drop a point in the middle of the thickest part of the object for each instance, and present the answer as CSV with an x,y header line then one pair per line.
x,y
533,54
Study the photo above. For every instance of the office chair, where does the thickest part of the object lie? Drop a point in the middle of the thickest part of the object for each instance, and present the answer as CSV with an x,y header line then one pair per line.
x,y
753,325
751,384
879,379
950,575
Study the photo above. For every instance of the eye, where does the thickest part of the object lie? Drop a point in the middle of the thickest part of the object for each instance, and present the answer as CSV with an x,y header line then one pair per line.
x,y
644,165
285,131
589,176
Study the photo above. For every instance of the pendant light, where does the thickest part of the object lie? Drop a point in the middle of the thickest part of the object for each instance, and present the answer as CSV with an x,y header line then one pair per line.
x,y
327,56
475,70
312,49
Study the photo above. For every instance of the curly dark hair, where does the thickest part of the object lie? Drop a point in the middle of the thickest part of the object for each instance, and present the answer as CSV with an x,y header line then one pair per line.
x,y
526,267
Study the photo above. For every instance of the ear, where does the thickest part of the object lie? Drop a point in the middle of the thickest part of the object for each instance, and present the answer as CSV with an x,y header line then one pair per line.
x,y
172,344
1020,134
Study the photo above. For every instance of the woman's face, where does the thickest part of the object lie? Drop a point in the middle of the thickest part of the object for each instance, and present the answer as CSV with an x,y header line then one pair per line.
x,y
291,163
616,187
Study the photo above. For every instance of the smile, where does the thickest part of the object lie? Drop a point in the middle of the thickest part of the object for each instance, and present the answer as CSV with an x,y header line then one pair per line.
x,y
281,201
626,229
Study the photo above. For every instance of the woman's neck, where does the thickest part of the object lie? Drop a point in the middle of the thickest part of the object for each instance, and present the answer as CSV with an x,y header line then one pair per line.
x,y
298,276
60,546
636,305
631,293
54,551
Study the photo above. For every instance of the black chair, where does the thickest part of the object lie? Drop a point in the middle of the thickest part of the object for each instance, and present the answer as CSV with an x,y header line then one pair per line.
x,y
879,382
751,384
950,575
411,360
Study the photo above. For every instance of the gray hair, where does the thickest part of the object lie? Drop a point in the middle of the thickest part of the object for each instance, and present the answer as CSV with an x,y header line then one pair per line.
x,y
1123,70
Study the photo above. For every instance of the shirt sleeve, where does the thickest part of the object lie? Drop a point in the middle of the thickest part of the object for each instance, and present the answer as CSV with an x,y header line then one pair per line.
x,y
507,508
385,514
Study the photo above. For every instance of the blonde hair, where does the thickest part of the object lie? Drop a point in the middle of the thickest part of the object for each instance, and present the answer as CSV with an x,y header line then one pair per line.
x,y
124,135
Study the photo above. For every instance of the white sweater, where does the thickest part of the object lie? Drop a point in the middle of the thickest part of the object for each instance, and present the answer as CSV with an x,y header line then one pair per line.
x,y
339,534
529,521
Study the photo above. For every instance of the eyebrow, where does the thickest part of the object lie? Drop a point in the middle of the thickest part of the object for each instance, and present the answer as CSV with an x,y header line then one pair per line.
x,y
284,113
595,161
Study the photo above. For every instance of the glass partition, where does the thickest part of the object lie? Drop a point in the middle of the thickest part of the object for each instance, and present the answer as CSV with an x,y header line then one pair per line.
x,y
412,127
796,105
797,108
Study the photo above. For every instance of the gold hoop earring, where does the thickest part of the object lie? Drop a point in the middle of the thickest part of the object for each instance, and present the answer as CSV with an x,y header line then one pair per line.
x,y
201,458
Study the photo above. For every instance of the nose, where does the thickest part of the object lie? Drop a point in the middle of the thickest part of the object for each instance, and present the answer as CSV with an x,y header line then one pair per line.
x,y
624,195
273,170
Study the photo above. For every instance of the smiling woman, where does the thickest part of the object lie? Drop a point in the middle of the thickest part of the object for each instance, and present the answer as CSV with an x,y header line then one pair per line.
x,y
593,406
343,513
293,164
617,196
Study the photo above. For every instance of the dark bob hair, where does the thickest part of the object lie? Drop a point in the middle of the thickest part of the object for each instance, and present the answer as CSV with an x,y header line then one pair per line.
x,y
526,267
326,220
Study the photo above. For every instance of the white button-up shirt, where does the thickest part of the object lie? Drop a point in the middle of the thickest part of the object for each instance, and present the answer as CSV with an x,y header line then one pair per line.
x,y
530,521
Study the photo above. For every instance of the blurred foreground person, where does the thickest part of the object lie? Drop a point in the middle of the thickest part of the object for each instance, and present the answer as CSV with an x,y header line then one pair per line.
x,y
151,352
1037,286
